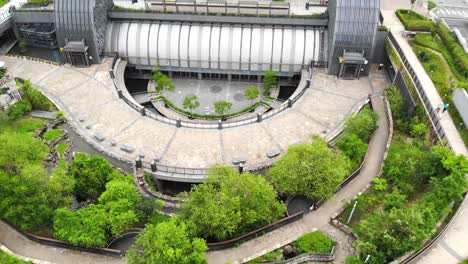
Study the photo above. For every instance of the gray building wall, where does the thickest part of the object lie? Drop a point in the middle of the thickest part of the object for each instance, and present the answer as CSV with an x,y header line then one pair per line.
x,y
83,19
379,51
352,26
460,99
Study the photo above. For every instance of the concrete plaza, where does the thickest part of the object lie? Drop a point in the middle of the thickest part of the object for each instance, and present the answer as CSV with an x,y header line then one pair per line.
x,y
91,104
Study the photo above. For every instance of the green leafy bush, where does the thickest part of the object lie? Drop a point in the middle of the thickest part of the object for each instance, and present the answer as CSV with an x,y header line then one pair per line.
x,y
315,242
18,110
414,21
456,50
363,124
32,95
53,134
227,204
354,148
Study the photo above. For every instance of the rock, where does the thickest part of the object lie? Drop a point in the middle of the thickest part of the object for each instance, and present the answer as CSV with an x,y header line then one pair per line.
x,y
273,153
127,148
141,155
113,143
238,160
81,119
99,136
88,126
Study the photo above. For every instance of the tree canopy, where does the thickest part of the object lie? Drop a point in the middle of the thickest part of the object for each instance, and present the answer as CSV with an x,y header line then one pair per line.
x,y
191,102
363,124
222,106
269,80
163,82
91,175
229,204
168,243
313,170
84,227
251,93
120,202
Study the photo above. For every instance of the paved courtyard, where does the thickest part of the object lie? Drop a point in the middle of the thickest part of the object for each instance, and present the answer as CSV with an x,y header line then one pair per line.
x,y
209,92
91,104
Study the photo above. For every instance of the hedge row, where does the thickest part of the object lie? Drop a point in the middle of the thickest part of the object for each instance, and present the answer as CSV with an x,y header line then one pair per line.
x,y
455,49
414,21
187,113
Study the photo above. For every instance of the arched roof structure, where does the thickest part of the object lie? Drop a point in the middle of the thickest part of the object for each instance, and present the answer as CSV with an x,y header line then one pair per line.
x,y
215,47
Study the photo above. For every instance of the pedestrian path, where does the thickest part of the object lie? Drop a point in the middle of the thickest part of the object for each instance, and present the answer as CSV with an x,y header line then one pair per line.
x,y
317,219
22,246
452,247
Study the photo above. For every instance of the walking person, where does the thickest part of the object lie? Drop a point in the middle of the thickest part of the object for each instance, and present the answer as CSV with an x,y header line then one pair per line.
x,y
438,108
446,107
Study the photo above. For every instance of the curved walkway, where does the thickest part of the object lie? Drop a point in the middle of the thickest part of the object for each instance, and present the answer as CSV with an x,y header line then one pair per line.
x,y
22,246
319,219
315,220
92,106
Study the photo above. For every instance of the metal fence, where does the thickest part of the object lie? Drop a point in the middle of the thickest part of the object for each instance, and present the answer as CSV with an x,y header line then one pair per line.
x,y
126,97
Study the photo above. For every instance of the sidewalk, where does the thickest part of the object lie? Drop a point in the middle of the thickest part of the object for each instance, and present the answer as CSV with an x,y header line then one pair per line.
x,y
452,247
317,219
22,246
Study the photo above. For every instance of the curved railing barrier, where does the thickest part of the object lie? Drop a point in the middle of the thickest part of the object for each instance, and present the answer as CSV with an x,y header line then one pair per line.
x,y
118,72
303,258
251,235
62,244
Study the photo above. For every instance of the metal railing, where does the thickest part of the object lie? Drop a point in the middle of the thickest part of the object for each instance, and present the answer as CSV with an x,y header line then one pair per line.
x,y
124,95
430,109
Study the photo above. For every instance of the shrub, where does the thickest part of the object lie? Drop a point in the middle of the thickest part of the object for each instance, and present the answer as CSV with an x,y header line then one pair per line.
x,y
363,124
354,148
37,100
18,110
458,53
53,134
414,21
315,242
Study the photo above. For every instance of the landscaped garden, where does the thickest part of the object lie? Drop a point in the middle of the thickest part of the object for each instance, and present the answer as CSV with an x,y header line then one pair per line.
x,y
444,60
421,183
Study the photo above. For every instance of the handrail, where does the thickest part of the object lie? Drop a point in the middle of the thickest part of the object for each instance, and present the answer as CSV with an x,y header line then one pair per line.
x,y
124,95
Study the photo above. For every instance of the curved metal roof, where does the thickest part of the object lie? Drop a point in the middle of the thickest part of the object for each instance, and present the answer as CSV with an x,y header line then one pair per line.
x,y
210,46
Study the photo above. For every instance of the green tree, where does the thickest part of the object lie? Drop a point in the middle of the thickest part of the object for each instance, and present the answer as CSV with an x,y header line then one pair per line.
x,y
120,202
84,227
23,198
409,168
363,124
387,235
430,5
313,170
91,175
191,102
354,148
251,93
269,80
18,109
167,243
221,107
163,82
37,100
229,204
18,150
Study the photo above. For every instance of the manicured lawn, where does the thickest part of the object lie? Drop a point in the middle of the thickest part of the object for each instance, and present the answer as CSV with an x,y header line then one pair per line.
x,y
53,134
6,258
441,75
26,124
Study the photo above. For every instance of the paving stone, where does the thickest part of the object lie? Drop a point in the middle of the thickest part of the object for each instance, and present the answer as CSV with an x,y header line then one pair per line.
x,y
99,136
127,148
238,160
273,153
